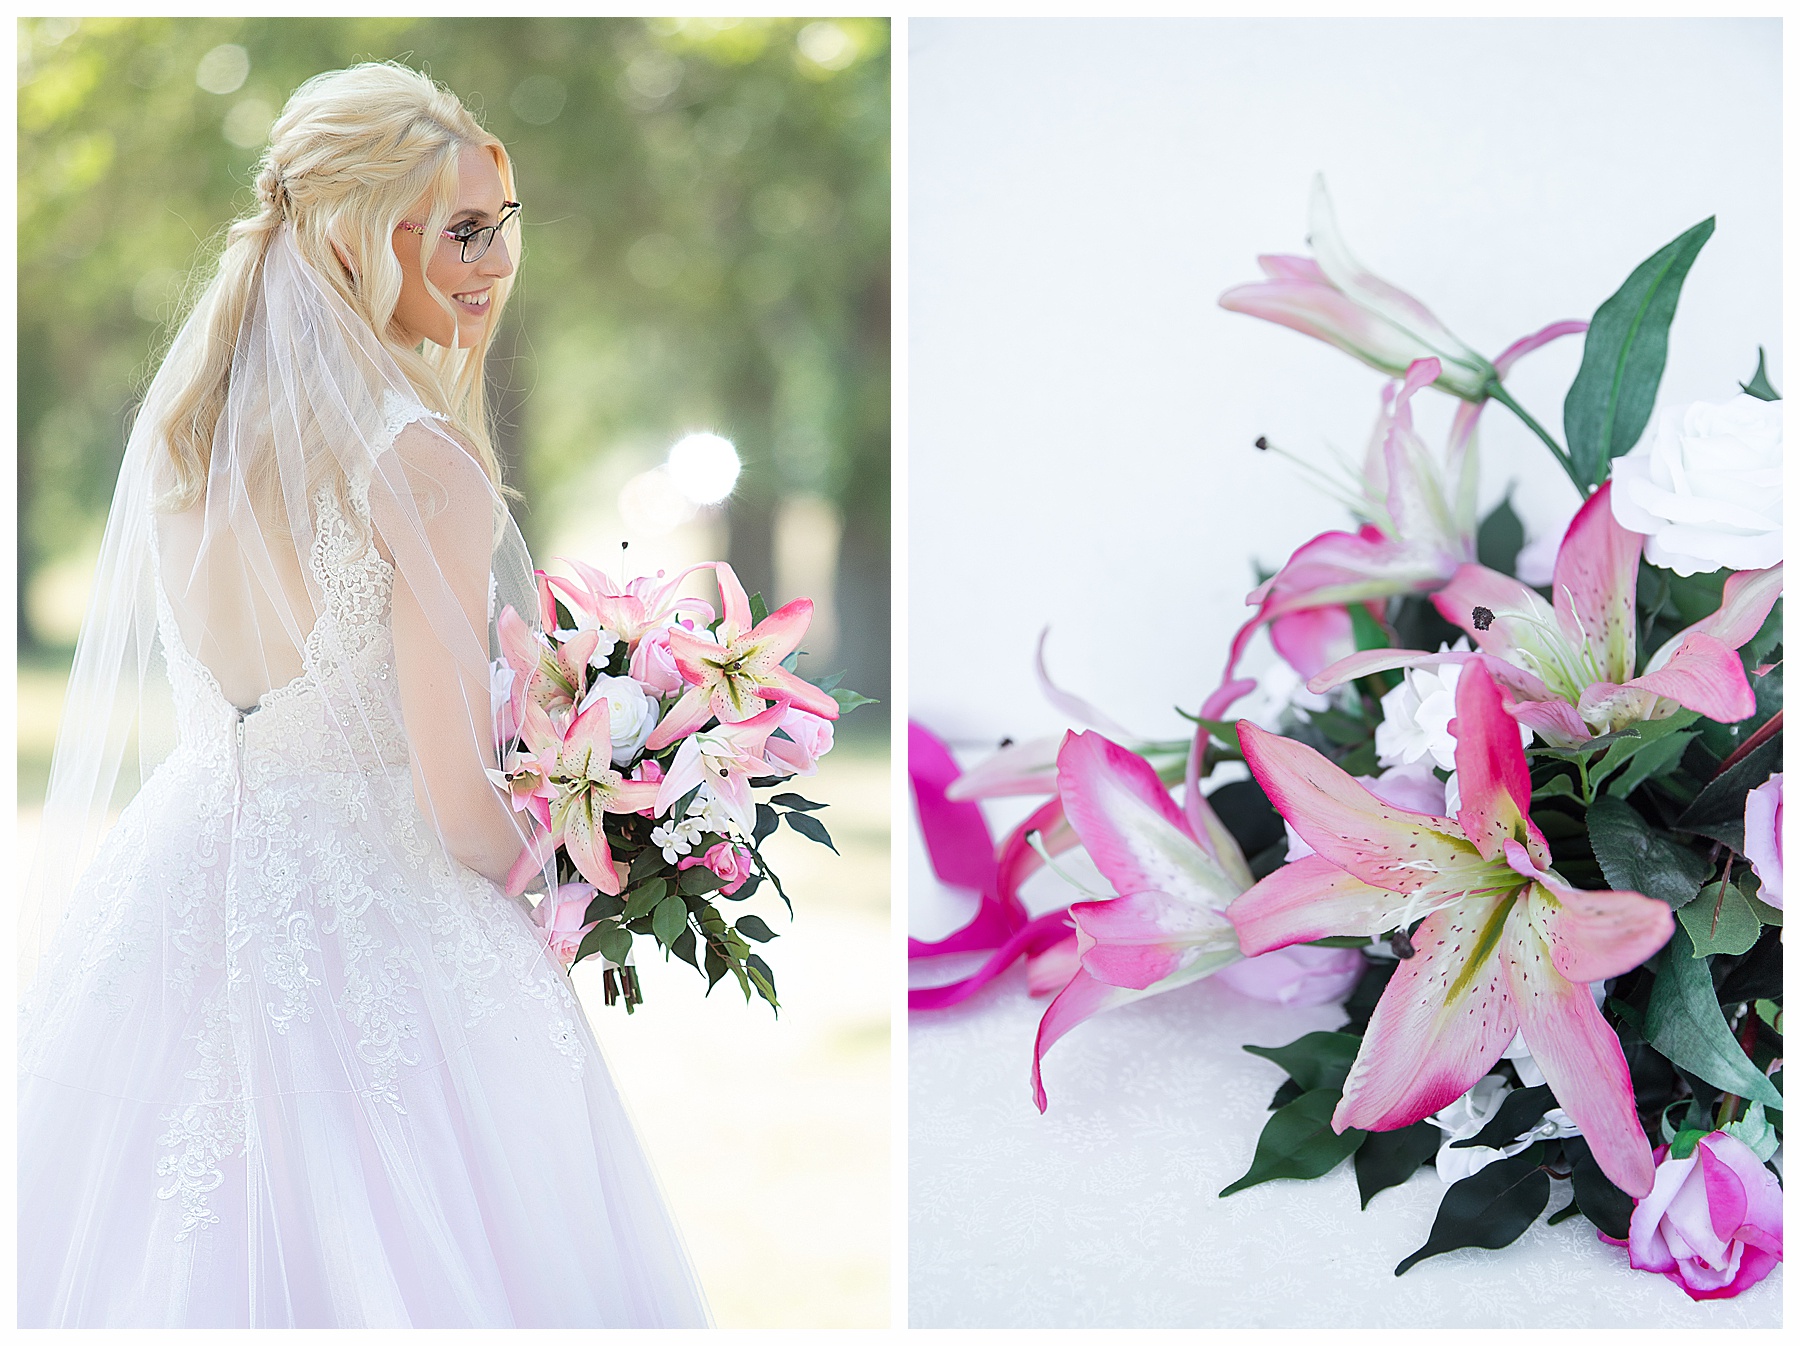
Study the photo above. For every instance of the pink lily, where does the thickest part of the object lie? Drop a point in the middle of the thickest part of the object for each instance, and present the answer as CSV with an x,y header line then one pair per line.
x,y
1168,926
587,788
527,772
629,611
552,676
1340,301
1505,944
1567,666
726,757
740,675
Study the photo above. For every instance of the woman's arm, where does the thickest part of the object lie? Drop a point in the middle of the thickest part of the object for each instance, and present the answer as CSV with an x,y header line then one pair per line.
x,y
434,515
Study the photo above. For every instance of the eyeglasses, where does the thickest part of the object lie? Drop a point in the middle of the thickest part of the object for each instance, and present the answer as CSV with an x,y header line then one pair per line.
x,y
475,242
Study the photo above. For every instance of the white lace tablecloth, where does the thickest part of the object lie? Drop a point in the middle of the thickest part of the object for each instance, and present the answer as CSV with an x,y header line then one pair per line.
x,y
1103,1212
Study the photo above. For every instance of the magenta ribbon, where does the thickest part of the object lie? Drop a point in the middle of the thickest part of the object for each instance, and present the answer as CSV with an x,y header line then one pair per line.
x,y
962,855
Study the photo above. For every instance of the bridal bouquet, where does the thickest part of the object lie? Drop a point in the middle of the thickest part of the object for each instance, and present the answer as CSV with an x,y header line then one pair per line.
x,y
635,728
1522,809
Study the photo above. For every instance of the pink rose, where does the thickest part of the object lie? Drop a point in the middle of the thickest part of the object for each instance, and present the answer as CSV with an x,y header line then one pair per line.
x,y
653,664
647,770
731,863
1762,837
1712,1221
808,739
1301,974
560,917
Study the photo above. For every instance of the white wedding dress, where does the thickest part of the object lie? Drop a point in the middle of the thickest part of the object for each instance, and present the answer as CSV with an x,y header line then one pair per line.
x,y
285,1062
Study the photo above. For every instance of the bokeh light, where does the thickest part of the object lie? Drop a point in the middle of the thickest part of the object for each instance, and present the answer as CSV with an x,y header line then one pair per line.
x,y
705,467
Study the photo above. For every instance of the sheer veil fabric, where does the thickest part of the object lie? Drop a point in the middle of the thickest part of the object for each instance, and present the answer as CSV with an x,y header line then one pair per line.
x,y
284,1059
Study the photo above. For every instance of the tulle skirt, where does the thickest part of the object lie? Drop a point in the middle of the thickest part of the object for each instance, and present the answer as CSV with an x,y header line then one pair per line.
x,y
287,1065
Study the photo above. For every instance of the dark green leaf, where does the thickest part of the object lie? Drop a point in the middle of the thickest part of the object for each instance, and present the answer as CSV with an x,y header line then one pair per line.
x,y
1287,1093
1588,748
1637,858
1654,759
642,900
1759,385
753,927
1365,630
848,701
1499,540
1721,920
603,908
1718,810
649,861
1488,1209
1646,735
684,947
1388,1158
1622,359
669,919
758,608
1248,816
767,820
698,880
615,943
715,966
1298,1142
810,828
590,944
1568,1212
1684,1023
794,801
758,972
1605,1206
829,681
1367,992
1521,1110
1316,1061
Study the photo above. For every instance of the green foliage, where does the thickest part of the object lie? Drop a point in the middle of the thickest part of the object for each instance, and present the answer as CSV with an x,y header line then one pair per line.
x,y
1316,1061
1684,1023
1718,811
810,828
1500,538
1759,385
1636,857
1521,1110
1488,1209
1622,361
1388,1158
1720,921
1605,1206
1298,1142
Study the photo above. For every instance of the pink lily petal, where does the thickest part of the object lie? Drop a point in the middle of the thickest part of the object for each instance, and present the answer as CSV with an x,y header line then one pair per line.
x,y
1578,1053
684,773
1595,585
1215,838
734,601
1475,586
1336,815
630,796
1083,998
1507,358
584,842
802,695
1703,674
1743,607
779,634
1442,1022
1140,939
1027,768
1037,935
1307,900
1312,639
1593,934
1074,707
539,847
1556,722
1490,770
956,835
1136,834
1365,662
1049,970
587,746
683,718
1019,859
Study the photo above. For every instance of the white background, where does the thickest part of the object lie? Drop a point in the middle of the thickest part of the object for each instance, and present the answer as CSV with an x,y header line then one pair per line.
x,y
1082,415
1082,411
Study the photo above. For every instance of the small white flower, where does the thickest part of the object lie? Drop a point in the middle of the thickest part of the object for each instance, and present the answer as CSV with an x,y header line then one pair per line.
x,y
675,839
603,648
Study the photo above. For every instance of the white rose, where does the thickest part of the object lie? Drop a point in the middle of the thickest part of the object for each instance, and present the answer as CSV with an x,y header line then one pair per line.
x,y
631,719
1416,716
1705,489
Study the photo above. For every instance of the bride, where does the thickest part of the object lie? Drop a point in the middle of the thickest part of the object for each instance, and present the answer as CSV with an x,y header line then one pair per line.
x,y
288,1056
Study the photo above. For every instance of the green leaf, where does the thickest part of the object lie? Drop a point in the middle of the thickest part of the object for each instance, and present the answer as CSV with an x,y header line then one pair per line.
x,y
1648,733
1388,1158
1500,538
1586,749
649,861
1298,1142
698,880
603,908
753,927
758,972
685,947
1557,787
641,901
1718,810
758,608
1622,359
1366,631
1605,1206
715,966
1316,1061
1488,1209
810,828
1759,385
1635,857
793,801
1225,731
1521,1110
767,820
669,919
615,943
1720,921
1684,1023
848,701
590,944
1652,760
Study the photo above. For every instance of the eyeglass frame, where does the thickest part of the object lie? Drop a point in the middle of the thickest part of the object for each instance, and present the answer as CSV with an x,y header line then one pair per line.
x,y
509,211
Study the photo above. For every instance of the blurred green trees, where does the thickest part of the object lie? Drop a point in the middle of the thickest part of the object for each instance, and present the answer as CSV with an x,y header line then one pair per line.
x,y
707,234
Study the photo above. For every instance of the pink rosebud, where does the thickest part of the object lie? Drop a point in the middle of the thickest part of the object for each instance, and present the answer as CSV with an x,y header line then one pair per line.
x,y
731,863
1712,1221
1301,974
647,770
1762,837
560,917
808,739
653,663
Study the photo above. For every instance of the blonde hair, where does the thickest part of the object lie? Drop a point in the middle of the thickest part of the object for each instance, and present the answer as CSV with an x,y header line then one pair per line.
x,y
349,155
